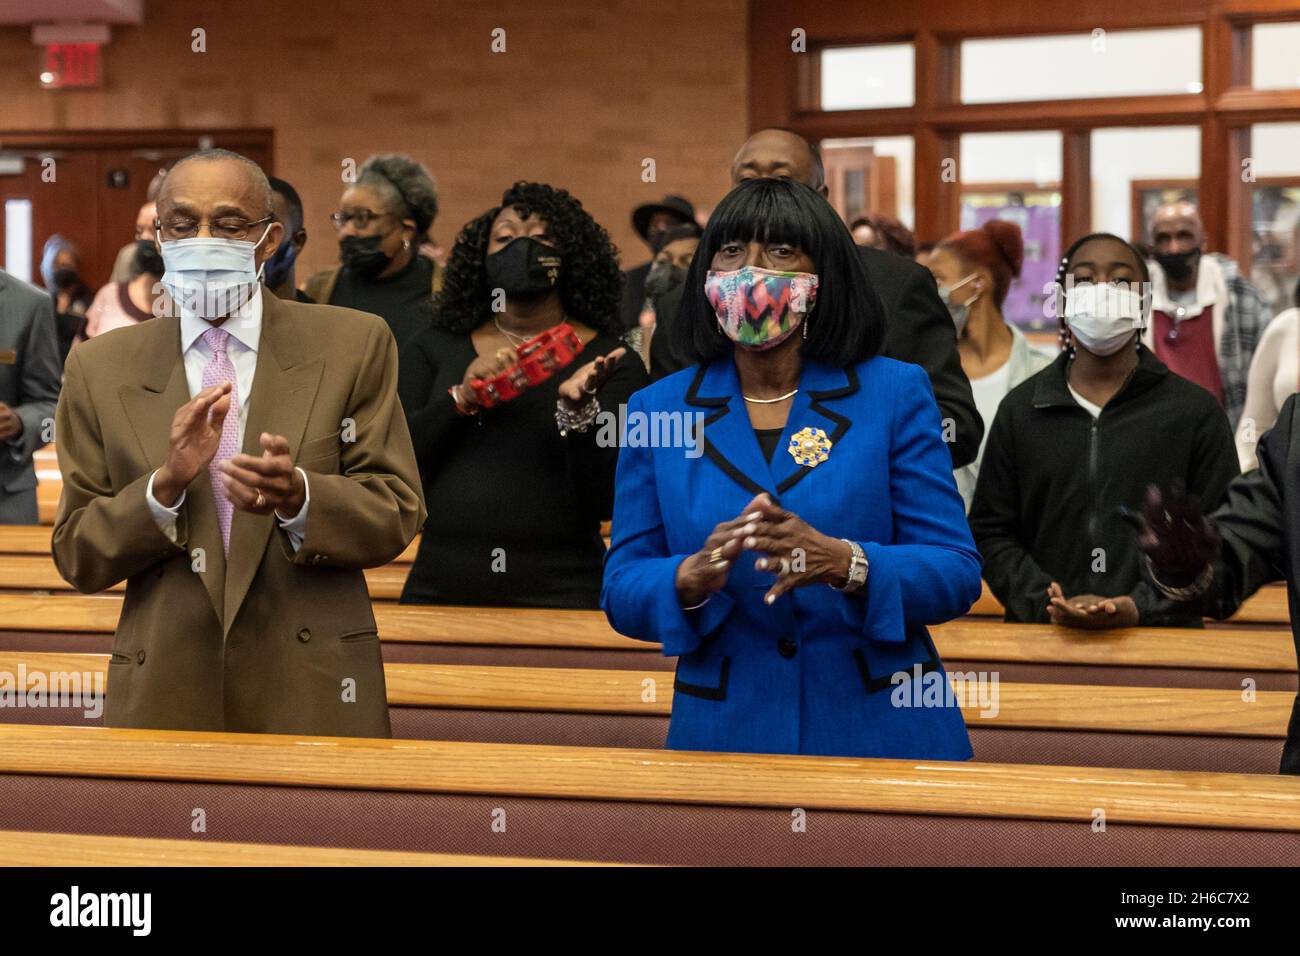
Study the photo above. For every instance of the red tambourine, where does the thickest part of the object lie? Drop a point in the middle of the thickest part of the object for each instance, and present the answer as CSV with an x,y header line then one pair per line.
x,y
539,358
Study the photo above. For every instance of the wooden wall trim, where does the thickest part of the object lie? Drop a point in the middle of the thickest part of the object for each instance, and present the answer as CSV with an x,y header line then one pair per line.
x,y
936,121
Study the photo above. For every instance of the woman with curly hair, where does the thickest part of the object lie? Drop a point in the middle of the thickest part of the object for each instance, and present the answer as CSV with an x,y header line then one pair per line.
x,y
517,491
381,222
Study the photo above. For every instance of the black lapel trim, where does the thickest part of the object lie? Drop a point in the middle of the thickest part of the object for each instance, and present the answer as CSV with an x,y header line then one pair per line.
x,y
841,423
699,690
693,393
721,460
873,684
693,397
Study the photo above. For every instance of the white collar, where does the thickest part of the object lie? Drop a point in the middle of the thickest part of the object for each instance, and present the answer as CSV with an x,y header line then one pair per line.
x,y
245,325
1211,289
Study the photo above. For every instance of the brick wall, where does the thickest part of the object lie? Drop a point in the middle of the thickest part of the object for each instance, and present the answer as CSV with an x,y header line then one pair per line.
x,y
583,93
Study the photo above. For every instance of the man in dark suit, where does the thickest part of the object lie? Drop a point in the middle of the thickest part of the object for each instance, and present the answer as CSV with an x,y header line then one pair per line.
x,y
29,388
1252,539
650,220
918,327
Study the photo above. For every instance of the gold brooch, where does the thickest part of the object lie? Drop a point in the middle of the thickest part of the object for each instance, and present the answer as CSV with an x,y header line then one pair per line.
x,y
809,447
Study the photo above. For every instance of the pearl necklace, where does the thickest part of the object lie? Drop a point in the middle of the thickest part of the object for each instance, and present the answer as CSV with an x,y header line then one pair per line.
x,y
771,401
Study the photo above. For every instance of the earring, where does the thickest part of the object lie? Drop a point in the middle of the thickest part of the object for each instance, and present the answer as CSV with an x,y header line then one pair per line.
x,y
406,243
805,329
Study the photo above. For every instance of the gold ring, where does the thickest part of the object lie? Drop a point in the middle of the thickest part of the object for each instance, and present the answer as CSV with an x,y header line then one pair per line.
x,y
261,501
715,556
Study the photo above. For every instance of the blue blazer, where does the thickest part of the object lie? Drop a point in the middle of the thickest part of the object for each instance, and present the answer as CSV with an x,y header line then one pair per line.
x,y
818,672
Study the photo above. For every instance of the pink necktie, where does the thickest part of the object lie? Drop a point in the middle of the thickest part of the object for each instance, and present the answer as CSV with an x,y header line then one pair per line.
x,y
218,371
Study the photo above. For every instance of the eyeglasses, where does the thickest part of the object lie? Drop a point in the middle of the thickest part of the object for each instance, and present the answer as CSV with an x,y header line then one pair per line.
x,y
226,228
362,218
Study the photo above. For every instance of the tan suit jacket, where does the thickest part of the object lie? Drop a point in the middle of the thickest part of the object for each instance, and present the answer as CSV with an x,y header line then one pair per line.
x,y
267,640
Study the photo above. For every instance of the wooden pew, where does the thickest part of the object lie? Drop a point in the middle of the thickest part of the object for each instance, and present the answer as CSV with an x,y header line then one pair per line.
x,y
629,805
33,572
1160,728
25,565
18,539
21,848
49,483
1027,653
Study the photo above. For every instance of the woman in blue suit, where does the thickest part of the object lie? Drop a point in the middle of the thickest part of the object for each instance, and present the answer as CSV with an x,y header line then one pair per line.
x,y
792,554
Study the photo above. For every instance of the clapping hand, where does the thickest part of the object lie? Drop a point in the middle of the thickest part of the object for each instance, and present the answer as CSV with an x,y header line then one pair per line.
x,y
260,485
1178,539
582,386
705,571
194,439
795,551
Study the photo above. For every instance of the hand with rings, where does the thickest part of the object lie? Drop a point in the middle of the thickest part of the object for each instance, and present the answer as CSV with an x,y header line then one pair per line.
x,y
260,485
705,571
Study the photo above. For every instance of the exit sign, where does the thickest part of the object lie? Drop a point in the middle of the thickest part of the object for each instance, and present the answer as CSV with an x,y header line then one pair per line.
x,y
70,65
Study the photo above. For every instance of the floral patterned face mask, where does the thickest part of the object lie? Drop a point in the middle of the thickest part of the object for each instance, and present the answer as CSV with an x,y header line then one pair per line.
x,y
759,308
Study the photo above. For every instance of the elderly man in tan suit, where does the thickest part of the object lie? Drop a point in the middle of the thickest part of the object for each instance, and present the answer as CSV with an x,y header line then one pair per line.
x,y
246,607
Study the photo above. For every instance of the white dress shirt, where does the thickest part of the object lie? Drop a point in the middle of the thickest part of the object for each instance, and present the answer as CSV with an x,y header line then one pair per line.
x,y
245,328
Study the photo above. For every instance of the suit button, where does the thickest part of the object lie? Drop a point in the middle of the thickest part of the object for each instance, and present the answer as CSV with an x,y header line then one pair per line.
x,y
786,647
304,635
139,658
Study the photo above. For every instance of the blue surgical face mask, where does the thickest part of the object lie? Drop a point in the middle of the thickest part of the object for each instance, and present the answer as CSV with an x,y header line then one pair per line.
x,y
277,268
210,278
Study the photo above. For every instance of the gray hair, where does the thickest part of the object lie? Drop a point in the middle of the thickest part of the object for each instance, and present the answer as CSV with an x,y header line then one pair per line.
x,y
210,155
406,184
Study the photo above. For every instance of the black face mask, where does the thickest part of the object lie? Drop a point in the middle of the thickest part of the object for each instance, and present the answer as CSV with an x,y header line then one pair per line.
x,y
662,278
1178,265
525,269
65,278
148,258
277,268
362,256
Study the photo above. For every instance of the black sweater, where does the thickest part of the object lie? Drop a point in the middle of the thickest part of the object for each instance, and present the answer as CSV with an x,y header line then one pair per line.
x,y
1052,479
514,507
403,300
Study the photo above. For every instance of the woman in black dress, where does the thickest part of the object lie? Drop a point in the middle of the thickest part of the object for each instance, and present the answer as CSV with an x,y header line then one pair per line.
x,y
516,492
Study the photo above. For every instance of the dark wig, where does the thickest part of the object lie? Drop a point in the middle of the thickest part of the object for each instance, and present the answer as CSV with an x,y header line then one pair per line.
x,y
590,280
847,323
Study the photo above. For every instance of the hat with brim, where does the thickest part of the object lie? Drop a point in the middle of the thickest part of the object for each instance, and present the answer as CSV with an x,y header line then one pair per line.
x,y
677,205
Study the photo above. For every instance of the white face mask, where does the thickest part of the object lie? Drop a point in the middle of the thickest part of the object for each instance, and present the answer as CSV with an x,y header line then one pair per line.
x,y
960,311
210,278
1103,317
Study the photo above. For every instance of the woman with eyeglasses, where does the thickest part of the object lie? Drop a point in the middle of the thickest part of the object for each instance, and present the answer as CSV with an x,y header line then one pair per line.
x,y
517,489
381,221
1073,448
